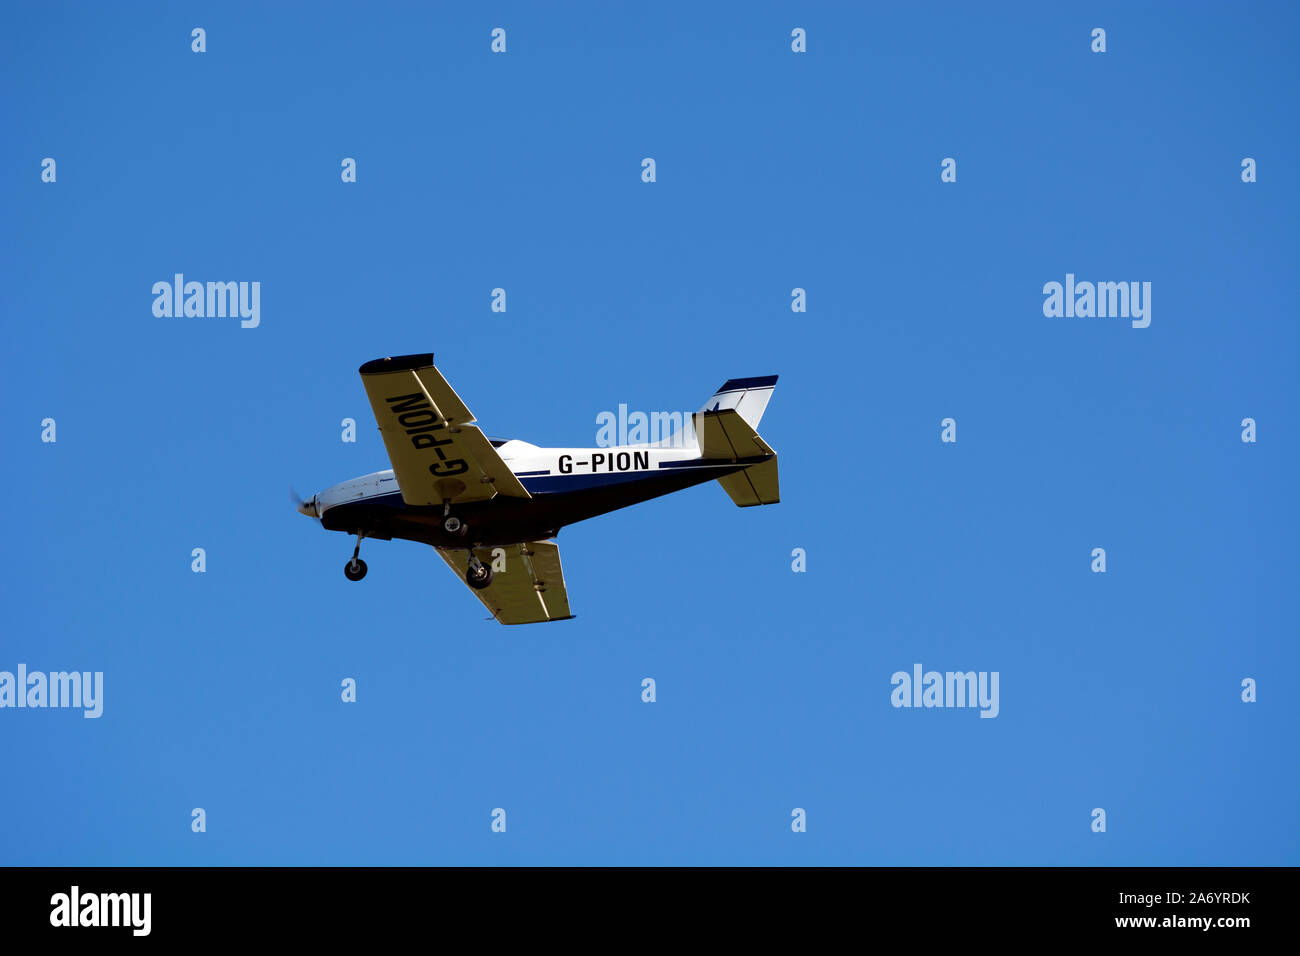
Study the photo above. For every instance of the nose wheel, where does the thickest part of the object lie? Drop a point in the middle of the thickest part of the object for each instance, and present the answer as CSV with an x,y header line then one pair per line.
x,y
355,569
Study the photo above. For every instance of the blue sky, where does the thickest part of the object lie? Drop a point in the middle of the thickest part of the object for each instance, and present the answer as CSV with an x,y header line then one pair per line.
x,y
775,170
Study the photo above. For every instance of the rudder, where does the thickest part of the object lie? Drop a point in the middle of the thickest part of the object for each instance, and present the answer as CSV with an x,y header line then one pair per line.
x,y
748,396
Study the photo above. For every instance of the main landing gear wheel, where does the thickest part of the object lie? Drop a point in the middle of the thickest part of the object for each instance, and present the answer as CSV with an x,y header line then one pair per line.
x,y
450,523
479,575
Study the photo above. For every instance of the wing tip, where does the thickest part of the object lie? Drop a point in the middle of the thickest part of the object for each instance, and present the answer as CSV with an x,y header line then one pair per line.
x,y
397,363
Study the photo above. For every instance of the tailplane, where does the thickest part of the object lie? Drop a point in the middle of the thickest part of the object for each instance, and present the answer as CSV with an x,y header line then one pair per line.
x,y
756,485
725,435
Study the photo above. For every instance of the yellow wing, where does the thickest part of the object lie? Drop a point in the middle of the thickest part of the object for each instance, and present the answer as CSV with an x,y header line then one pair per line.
x,y
529,589
436,453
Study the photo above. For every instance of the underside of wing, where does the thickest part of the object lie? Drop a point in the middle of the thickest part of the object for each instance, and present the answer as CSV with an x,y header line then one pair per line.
x,y
436,453
527,585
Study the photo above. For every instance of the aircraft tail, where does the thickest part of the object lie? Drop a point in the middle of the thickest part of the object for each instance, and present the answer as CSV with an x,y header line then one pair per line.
x,y
725,434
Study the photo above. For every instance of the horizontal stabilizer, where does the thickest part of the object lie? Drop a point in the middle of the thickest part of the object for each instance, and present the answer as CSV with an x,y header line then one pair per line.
x,y
725,436
756,485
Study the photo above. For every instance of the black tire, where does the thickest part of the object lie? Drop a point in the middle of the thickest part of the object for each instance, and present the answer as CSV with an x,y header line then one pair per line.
x,y
453,525
357,573
483,578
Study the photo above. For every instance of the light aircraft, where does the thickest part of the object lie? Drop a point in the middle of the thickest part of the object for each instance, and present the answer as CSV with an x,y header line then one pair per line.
x,y
489,506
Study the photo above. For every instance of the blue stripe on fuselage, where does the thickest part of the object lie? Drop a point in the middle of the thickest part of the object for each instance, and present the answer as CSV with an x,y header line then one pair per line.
x,y
540,483
704,463
555,484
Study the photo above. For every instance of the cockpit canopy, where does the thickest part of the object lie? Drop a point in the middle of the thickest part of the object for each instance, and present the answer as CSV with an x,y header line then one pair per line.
x,y
509,447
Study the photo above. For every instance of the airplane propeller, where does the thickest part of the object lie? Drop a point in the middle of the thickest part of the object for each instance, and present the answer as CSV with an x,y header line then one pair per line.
x,y
303,505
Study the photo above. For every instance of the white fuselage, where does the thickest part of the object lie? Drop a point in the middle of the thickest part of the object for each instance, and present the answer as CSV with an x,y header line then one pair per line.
x,y
541,470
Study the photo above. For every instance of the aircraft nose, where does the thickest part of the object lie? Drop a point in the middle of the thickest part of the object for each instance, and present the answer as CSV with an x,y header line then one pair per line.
x,y
309,508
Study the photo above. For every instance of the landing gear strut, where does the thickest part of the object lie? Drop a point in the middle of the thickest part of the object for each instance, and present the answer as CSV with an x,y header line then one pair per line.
x,y
355,569
478,575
